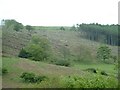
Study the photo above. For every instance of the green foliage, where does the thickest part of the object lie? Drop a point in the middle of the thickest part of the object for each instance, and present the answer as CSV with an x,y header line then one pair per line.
x,y
101,33
13,24
58,78
37,52
38,49
104,73
94,81
29,27
93,70
28,77
114,58
73,28
63,63
24,54
117,66
62,28
18,26
4,71
99,28
104,53
31,77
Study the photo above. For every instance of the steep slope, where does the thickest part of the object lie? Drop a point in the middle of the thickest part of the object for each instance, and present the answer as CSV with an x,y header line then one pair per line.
x,y
13,41
71,44
65,44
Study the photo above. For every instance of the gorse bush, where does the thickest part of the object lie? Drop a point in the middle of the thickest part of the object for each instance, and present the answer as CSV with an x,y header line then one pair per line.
x,y
38,49
32,78
62,28
103,53
29,27
24,54
28,77
93,70
4,71
104,73
63,63
12,24
96,81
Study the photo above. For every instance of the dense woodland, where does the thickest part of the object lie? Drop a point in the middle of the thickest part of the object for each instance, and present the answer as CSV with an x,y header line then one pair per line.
x,y
102,33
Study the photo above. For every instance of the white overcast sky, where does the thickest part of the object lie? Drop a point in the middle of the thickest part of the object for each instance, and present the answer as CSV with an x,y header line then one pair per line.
x,y
60,12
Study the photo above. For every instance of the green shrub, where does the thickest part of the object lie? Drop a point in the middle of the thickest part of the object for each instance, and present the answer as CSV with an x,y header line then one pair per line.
x,y
62,28
93,70
24,54
28,77
32,78
39,78
29,27
104,73
63,63
92,81
89,81
4,71
104,53
13,24
38,49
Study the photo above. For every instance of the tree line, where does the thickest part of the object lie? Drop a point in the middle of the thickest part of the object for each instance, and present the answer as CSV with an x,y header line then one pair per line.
x,y
11,24
101,33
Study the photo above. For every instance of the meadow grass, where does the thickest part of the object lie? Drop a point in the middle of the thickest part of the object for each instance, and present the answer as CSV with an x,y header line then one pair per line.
x,y
110,68
16,66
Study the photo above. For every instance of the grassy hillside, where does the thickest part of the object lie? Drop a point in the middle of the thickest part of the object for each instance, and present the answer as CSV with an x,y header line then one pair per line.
x,y
13,41
50,27
76,47
65,45
16,66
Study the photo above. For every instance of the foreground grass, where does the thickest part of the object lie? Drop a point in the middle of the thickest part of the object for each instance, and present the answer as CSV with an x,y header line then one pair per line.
x,y
16,66
109,68
58,76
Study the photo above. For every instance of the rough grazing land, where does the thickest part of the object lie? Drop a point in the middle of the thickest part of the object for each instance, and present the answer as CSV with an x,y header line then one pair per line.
x,y
64,44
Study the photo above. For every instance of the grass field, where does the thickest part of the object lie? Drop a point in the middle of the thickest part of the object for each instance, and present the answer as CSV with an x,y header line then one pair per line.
x,y
109,68
16,66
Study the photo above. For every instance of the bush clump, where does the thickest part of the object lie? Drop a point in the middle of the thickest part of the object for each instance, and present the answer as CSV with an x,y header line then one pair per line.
x,y
4,71
95,81
93,70
63,63
24,54
104,73
104,53
32,78
38,49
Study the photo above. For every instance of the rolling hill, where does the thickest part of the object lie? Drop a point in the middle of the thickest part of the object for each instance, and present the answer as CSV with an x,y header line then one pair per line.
x,y
81,53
